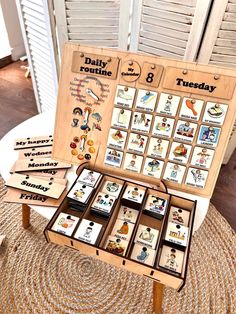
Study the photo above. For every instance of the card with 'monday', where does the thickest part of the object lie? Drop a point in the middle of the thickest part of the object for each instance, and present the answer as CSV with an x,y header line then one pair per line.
x,y
36,185
39,164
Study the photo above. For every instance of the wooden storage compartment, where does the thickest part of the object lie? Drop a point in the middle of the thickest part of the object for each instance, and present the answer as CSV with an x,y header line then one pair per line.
x,y
98,250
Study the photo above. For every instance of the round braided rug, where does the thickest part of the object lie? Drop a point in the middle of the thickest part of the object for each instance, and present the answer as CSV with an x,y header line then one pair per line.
x,y
36,277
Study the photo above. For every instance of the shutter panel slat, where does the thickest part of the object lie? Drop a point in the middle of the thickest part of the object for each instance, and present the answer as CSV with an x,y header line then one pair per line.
x,y
190,3
93,13
163,46
164,39
230,17
92,21
86,5
98,29
92,36
33,13
36,28
101,43
33,6
231,8
168,24
224,50
228,26
225,42
167,15
36,34
164,31
34,20
173,7
154,51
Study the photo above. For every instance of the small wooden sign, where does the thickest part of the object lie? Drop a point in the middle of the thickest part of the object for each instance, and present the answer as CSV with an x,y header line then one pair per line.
x,y
92,64
130,71
39,164
151,74
33,142
36,152
36,185
201,83
23,197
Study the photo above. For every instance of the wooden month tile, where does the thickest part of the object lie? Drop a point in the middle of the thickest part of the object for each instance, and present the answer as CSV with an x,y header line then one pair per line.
x,y
35,152
33,142
29,164
36,185
100,106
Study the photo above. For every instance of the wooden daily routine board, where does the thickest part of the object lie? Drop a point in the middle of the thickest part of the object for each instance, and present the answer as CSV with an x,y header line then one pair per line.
x,y
144,117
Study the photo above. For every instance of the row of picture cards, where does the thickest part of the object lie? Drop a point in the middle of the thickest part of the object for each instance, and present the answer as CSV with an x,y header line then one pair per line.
x,y
146,238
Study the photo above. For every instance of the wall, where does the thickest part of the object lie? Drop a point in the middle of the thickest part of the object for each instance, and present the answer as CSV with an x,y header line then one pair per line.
x,y
13,28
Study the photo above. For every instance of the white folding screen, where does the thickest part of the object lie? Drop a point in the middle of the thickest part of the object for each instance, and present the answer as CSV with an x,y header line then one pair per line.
x,y
35,21
219,46
102,23
169,28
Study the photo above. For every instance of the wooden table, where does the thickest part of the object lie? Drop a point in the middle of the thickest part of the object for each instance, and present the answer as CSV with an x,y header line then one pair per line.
x,y
43,124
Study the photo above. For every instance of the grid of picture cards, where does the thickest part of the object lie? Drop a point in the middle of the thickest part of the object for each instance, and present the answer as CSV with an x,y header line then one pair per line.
x,y
145,117
147,226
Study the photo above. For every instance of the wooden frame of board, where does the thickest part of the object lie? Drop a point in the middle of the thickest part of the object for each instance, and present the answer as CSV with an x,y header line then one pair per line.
x,y
82,70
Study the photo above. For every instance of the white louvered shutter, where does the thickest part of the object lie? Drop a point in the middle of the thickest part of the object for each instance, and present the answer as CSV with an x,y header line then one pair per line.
x,y
169,28
103,23
37,33
219,46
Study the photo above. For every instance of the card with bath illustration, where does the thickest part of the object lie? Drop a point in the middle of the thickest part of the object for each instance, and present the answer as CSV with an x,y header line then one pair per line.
x,y
174,172
128,214
133,162
80,192
179,216
185,131
65,224
88,231
116,245
124,96
157,147
168,104
177,234
121,118
180,152
146,100
156,205
134,193
113,157
171,259
112,188
191,108
117,139
103,202
89,177
143,254
202,157
163,126
122,229
141,122
137,143
208,136
196,177
215,113
147,236
153,167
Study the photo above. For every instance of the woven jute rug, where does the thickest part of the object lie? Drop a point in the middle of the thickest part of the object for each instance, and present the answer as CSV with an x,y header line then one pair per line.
x,y
36,277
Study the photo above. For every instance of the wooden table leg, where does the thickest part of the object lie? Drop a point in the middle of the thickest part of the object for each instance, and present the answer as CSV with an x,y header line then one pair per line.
x,y
25,216
157,297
